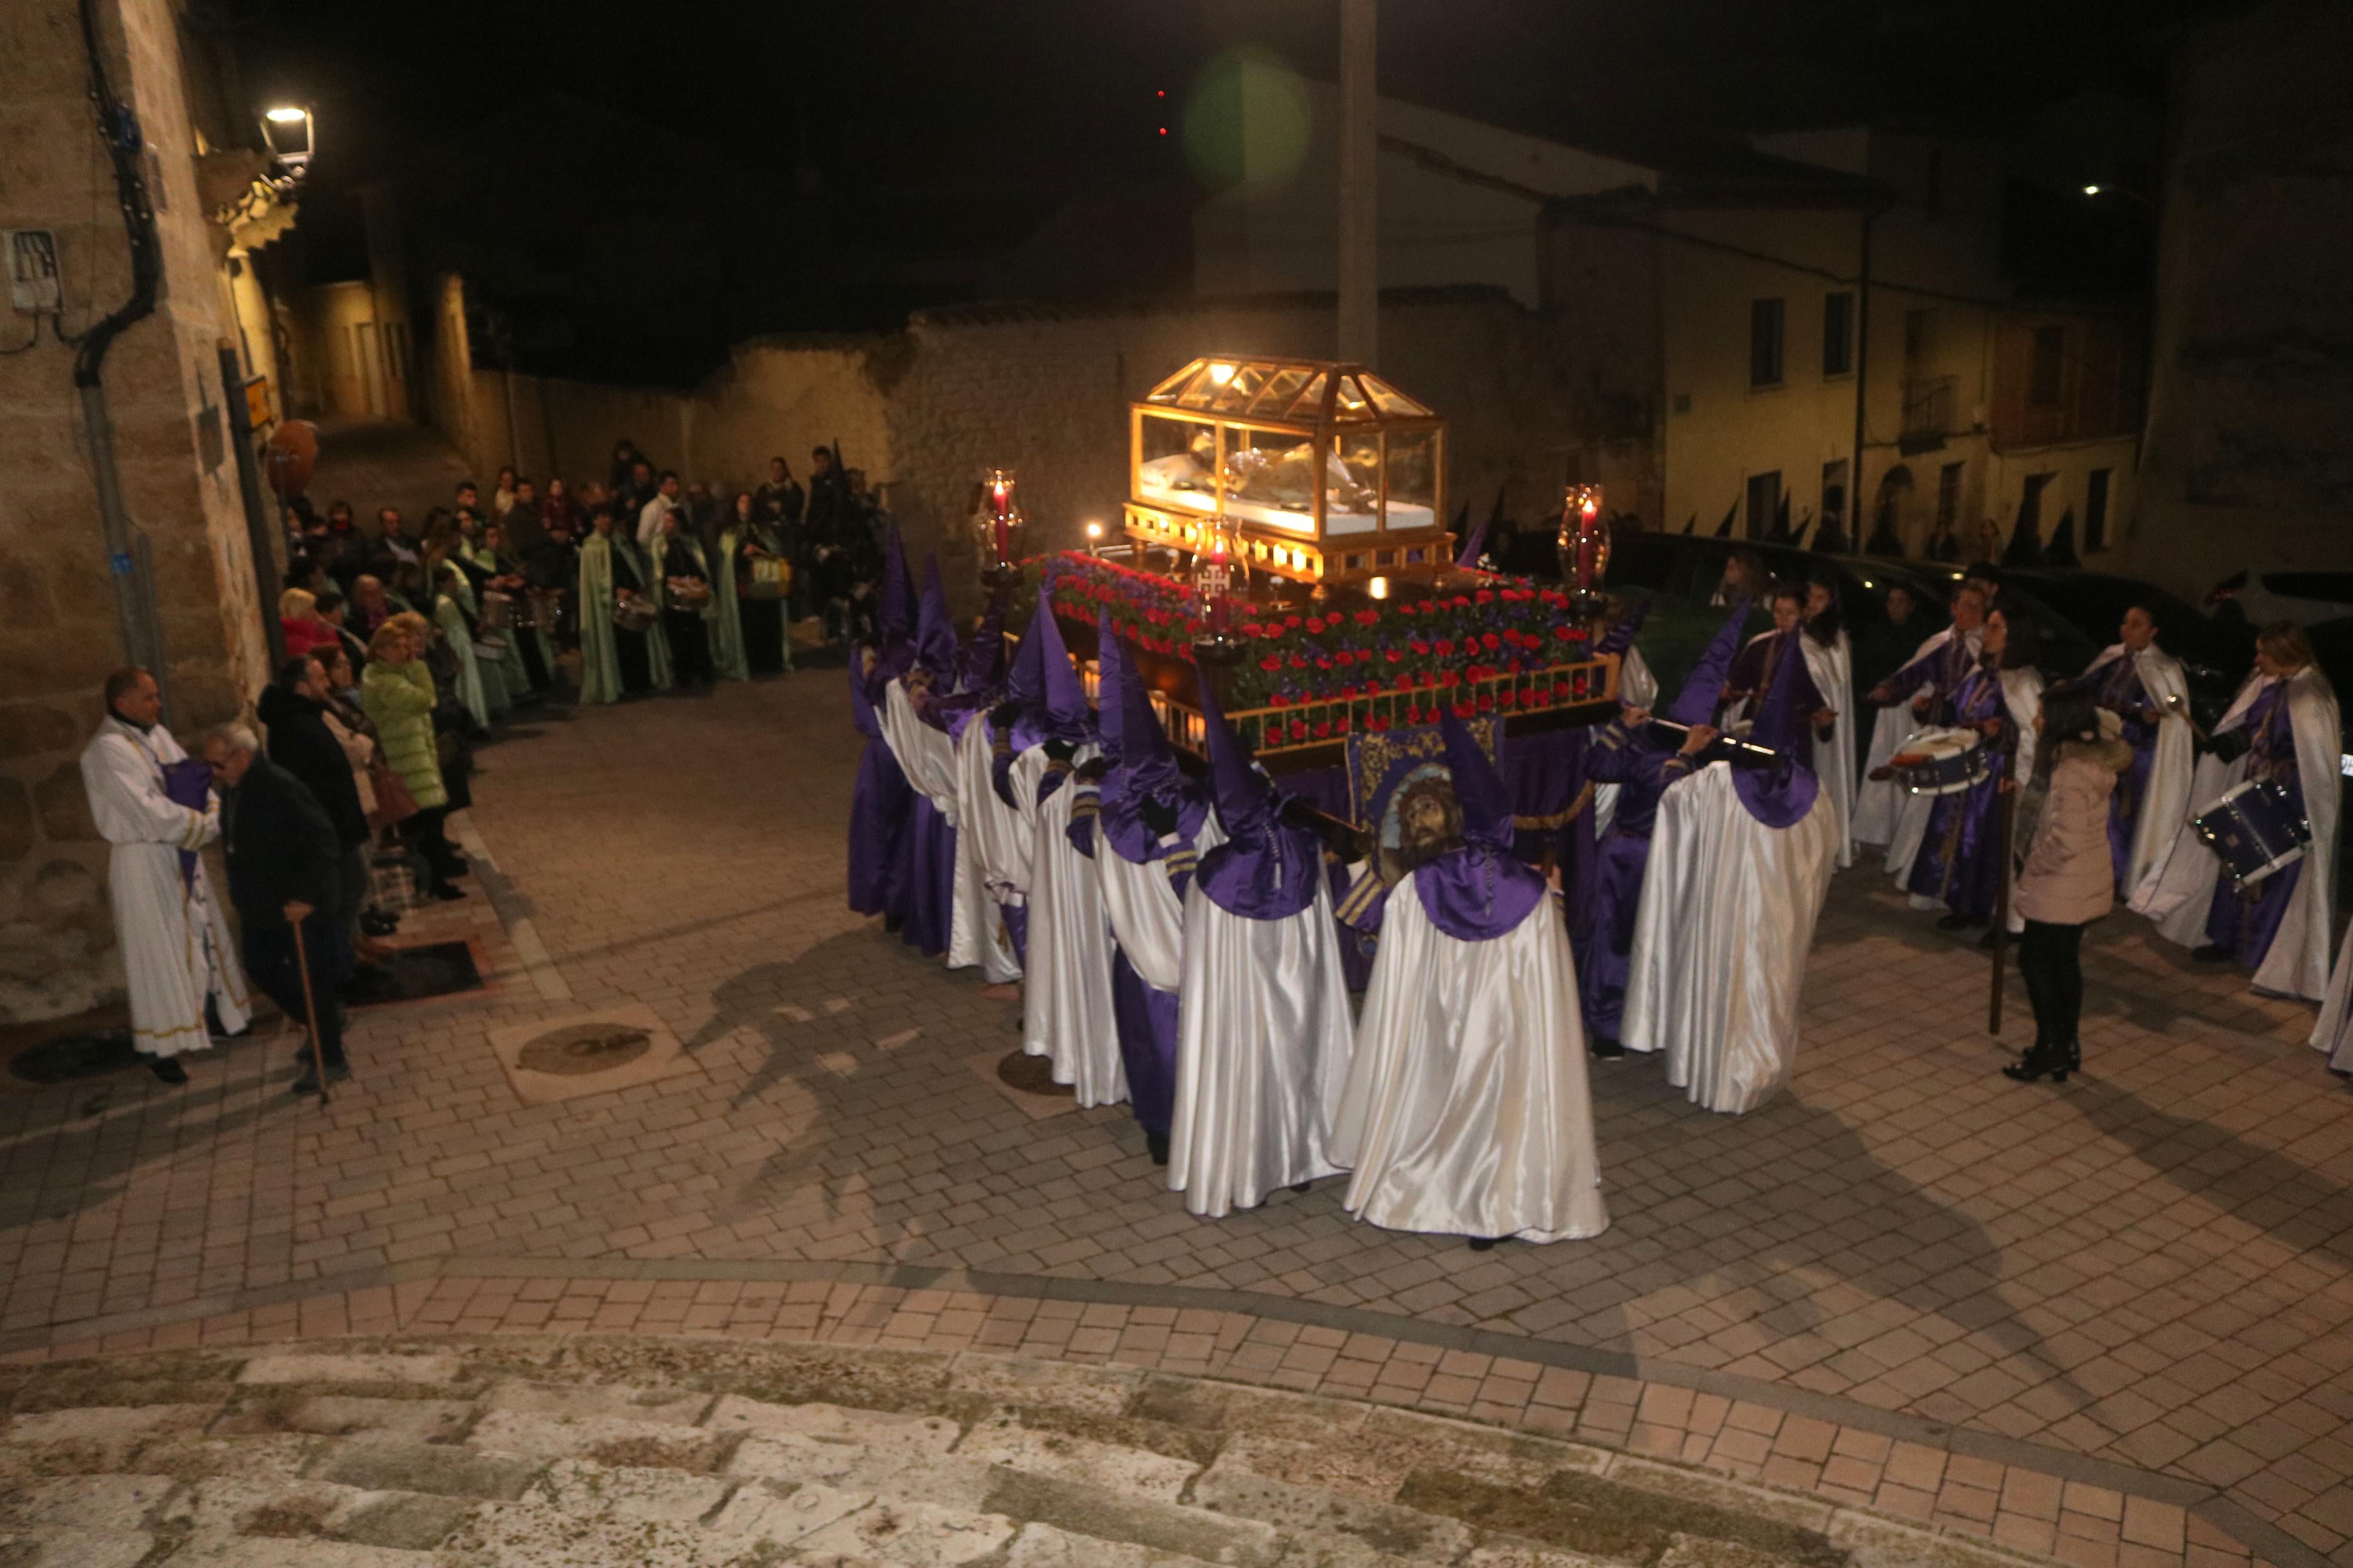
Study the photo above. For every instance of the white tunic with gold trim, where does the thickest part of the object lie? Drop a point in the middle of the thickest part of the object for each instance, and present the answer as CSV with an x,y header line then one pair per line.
x,y
176,943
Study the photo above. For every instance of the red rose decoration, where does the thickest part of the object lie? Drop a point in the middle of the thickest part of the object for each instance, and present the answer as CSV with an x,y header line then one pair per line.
x,y
1368,617
1486,705
1291,621
1315,625
1271,663
1565,634
1393,655
1298,729
1278,700
1491,642
1324,730
1446,648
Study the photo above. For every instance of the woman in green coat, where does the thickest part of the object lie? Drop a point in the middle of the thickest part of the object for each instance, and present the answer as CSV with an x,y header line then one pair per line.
x,y
478,686
397,693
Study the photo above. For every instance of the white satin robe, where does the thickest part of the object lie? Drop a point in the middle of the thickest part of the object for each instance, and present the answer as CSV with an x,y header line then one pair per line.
x,y
1832,669
1637,687
2334,1031
2178,892
992,838
2022,697
1264,1040
1066,1008
1148,918
1728,915
177,948
1467,1110
2164,805
1877,805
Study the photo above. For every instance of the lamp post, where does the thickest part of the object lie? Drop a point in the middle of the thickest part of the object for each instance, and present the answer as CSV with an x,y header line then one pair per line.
x,y
290,134
1359,231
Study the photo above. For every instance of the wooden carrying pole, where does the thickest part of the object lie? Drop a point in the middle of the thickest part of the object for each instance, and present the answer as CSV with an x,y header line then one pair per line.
x,y
311,1007
2009,809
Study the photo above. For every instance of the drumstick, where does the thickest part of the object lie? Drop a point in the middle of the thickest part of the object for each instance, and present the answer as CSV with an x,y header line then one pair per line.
x,y
1735,741
2181,709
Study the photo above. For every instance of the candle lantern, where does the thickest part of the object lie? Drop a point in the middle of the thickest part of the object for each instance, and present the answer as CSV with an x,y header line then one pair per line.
x,y
1000,529
1584,546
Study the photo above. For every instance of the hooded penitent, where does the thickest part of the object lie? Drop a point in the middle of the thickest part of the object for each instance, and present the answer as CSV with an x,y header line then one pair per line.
x,y
1474,544
1620,637
1148,771
1111,664
1266,869
894,612
1778,797
936,641
1695,703
1479,890
1063,697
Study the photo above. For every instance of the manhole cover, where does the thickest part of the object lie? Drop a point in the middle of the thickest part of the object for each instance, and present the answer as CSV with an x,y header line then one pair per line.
x,y
1031,1075
583,1048
69,1057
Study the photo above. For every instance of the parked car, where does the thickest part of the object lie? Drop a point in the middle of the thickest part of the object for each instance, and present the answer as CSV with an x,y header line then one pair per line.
x,y
2306,598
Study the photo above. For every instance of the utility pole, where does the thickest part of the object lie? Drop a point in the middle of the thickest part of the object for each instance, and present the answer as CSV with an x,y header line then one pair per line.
x,y
1359,230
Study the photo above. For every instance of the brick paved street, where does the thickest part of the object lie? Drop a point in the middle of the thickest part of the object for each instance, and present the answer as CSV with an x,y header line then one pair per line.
x,y
2146,1268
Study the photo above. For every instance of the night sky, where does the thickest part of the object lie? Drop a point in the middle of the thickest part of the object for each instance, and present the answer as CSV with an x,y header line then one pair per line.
x,y
924,118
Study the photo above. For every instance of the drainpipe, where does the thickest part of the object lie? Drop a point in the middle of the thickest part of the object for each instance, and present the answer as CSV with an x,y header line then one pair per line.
x,y
128,563
1854,492
257,516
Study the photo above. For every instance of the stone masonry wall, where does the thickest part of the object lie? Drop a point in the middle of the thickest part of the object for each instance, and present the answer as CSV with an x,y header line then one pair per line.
x,y
59,635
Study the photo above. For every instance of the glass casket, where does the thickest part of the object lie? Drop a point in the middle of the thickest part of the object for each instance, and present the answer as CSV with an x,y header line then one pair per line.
x,y
1317,471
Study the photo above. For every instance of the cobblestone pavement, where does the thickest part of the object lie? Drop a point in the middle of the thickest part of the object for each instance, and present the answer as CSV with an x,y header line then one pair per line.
x,y
2136,1281
462,1451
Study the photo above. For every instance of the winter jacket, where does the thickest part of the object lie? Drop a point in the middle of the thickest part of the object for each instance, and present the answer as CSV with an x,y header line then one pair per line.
x,y
280,847
2070,876
398,699
300,742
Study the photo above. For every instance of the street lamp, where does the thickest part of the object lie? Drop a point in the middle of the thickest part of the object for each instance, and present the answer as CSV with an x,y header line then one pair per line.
x,y
290,133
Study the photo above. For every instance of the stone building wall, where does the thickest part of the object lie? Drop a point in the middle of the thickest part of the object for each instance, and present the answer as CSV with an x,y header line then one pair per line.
x,y
1044,390
2249,455
60,636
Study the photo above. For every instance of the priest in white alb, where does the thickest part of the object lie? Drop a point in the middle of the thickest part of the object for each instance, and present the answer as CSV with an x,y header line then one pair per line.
x,y
1741,857
155,809
1264,1032
1467,1111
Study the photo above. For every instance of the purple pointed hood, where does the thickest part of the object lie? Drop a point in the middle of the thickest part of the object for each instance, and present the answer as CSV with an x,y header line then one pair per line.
x,y
1778,797
1065,695
1474,544
1266,869
981,661
1695,703
1478,787
896,613
1478,893
1147,769
1111,713
1026,682
1620,637
935,639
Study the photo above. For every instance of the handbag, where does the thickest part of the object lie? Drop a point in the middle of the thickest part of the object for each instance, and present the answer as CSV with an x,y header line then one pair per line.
x,y
770,578
392,884
393,801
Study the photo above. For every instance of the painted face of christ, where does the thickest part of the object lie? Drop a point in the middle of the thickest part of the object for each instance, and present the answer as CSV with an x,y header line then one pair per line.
x,y
1430,821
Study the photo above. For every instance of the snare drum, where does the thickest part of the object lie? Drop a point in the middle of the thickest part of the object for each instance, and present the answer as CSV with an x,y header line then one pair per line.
x,y
1939,761
688,593
2254,830
634,614
498,611
546,608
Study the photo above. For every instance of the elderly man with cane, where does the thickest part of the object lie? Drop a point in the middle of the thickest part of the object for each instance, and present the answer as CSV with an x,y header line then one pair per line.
x,y
284,863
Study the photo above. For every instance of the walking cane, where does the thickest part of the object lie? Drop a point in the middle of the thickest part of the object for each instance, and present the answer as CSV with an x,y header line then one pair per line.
x,y
311,1007
2008,797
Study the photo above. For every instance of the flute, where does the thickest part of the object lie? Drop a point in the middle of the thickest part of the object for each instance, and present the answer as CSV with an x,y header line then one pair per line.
x,y
1748,749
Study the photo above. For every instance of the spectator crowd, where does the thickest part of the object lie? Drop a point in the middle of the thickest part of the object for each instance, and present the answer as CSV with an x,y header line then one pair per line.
x,y
406,646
